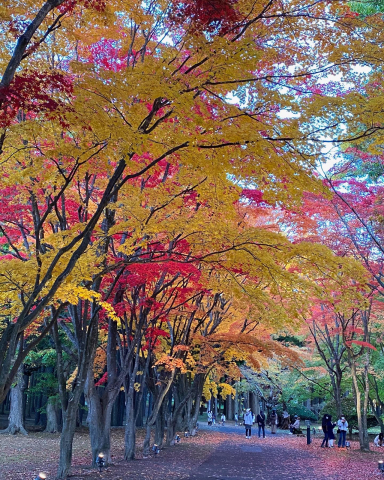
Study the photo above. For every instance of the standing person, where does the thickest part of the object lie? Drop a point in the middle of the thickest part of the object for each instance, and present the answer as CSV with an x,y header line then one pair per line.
x,y
223,419
248,423
213,419
209,418
286,420
236,419
342,427
261,422
273,421
324,426
331,435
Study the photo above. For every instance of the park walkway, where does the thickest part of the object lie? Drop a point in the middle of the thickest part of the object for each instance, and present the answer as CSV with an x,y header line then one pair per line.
x,y
216,453
262,459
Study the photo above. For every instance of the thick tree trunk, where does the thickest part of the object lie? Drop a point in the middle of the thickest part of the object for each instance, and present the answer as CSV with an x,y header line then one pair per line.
x,y
336,379
215,411
100,426
70,399
160,426
192,421
147,440
229,407
66,441
16,421
198,389
255,403
187,411
52,426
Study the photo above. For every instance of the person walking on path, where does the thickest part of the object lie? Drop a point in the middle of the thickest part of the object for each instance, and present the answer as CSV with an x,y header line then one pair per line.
x,y
331,435
324,426
209,418
342,428
248,423
223,419
236,419
261,422
273,421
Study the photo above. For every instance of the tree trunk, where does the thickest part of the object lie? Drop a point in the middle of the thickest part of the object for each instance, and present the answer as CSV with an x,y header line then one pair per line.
x,y
66,440
100,425
361,409
147,440
336,379
198,393
52,426
377,412
16,421
70,399
255,403
229,407
339,409
215,411
130,427
192,421
160,426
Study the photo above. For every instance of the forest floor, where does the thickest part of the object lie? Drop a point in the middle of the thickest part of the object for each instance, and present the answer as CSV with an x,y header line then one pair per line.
x,y
215,453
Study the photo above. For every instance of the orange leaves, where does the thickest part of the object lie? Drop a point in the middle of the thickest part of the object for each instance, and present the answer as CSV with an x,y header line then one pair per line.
x,y
171,363
181,348
100,361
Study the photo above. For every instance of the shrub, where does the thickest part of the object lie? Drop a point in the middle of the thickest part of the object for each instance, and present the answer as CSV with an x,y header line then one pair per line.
x,y
301,412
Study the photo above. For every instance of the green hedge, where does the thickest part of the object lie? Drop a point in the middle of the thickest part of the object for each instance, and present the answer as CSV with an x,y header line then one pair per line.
x,y
301,412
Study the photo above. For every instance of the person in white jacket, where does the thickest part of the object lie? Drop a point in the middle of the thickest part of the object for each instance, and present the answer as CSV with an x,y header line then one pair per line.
x,y
248,423
379,440
342,428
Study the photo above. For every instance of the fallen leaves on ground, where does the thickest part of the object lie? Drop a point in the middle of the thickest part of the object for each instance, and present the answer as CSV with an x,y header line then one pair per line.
x,y
212,452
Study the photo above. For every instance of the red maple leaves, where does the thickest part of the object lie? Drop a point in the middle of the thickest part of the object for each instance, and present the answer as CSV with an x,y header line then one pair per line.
x,y
210,16
34,93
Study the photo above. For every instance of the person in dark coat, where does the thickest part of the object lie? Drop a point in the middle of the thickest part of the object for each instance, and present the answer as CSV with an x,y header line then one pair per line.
x,y
260,419
324,426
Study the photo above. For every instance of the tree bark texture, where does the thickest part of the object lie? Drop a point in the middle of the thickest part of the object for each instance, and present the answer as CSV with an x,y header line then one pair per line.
x,y
15,419
52,426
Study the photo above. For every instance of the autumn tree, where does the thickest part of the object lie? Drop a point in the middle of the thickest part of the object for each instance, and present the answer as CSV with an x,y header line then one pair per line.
x,y
67,121
140,120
